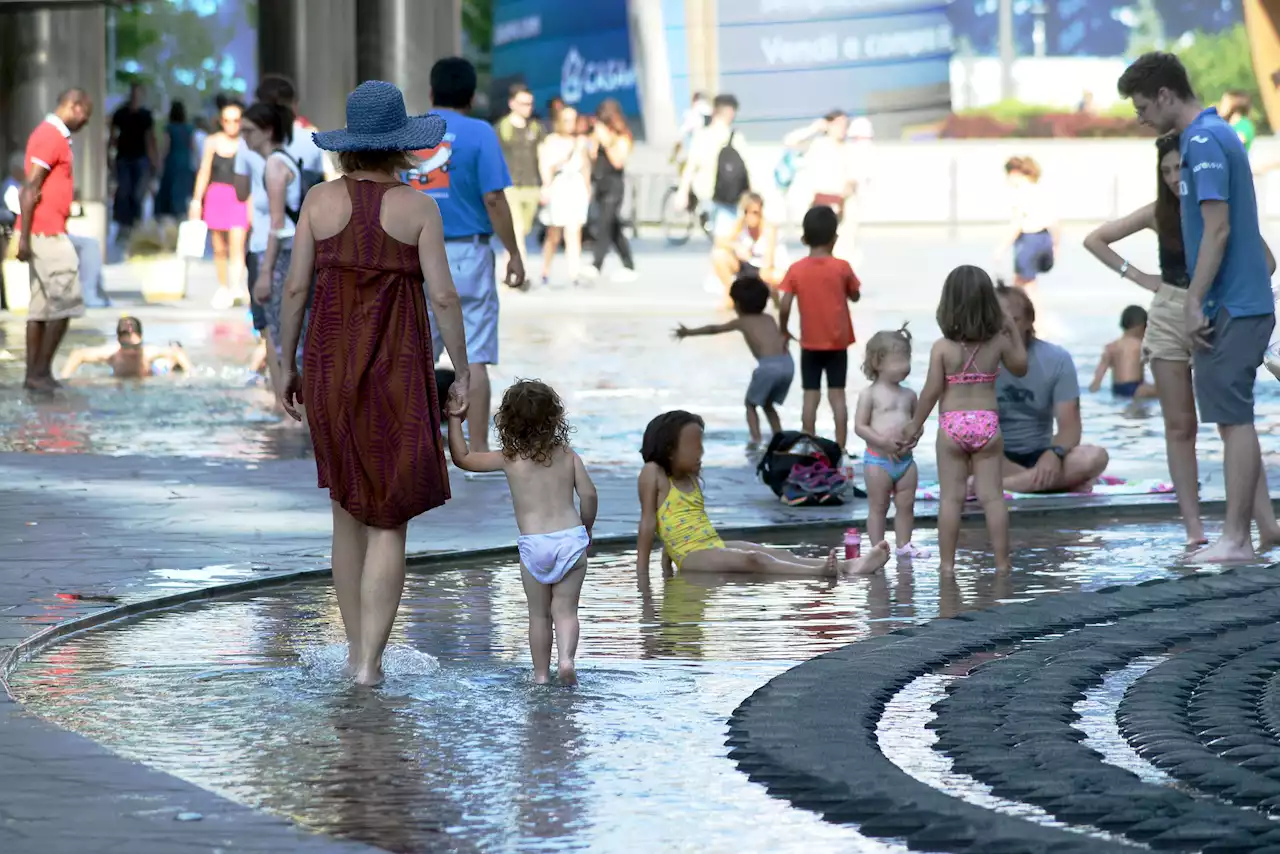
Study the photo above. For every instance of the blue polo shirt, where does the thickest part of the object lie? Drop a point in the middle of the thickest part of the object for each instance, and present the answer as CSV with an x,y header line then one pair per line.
x,y
1215,167
458,173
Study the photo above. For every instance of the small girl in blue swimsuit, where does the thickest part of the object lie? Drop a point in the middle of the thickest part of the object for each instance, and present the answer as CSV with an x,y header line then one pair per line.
x,y
883,408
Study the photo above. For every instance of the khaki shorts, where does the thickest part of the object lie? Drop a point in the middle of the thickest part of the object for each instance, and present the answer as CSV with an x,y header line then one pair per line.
x,y
524,203
55,279
1166,336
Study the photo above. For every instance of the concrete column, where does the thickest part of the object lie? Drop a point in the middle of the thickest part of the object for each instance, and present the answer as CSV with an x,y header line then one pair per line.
x,y
399,41
653,71
1008,52
313,42
43,52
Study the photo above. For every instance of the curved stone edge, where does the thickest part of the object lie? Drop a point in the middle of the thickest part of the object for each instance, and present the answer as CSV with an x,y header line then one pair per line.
x,y
1116,508
808,735
1197,717
1010,725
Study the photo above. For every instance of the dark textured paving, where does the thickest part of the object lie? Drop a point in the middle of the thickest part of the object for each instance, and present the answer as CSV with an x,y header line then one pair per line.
x,y
1208,717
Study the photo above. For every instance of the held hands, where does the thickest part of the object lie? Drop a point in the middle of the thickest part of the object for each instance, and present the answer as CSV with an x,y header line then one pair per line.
x,y
459,394
262,288
195,209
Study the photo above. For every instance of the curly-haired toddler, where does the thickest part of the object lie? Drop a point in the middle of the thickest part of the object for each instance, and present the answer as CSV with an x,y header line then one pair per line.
x,y
543,473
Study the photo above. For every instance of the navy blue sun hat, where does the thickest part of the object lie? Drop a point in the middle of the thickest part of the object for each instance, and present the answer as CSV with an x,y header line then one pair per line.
x,y
377,121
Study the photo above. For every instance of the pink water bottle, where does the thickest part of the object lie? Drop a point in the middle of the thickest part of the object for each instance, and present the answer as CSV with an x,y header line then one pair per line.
x,y
852,544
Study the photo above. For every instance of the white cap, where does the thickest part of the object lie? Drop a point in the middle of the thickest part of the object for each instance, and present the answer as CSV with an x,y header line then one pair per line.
x,y
860,128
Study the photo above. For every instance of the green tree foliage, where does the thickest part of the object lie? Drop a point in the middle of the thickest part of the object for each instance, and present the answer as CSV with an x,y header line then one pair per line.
x,y
1221,61
172,46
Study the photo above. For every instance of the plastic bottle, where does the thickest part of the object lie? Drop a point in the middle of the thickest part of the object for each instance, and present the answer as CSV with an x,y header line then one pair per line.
x,y
852,544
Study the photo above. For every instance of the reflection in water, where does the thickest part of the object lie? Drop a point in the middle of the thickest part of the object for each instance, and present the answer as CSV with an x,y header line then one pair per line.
x,y
471,756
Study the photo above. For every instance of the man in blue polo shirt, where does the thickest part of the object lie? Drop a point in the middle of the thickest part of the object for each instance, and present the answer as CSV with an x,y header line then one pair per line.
x,y
1230,307
467,176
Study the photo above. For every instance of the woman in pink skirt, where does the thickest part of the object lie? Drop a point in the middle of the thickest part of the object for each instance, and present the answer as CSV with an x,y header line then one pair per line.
x,y
215,201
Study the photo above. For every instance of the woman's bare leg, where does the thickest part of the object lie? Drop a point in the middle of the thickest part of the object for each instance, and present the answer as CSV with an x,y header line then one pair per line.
x,y
219,241
573,250
381,587
349,547
953,477
538,596
549,245
1178,405
726,266
237,280
564,613
989,485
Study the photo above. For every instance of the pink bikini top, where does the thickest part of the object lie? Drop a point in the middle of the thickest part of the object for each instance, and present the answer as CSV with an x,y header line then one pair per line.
x,y
968,376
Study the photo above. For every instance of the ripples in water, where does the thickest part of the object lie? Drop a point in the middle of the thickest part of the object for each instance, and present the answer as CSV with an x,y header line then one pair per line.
x,y
460,751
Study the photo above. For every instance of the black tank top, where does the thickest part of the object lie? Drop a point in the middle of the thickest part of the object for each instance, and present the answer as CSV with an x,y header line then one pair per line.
x,y
223,171
605,175
1173,265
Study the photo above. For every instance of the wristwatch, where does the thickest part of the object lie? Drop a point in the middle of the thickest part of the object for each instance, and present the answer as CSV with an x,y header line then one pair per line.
x,y
1060,451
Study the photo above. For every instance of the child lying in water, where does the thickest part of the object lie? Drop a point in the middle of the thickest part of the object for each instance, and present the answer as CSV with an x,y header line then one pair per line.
x,y
671,505
543,473
129,358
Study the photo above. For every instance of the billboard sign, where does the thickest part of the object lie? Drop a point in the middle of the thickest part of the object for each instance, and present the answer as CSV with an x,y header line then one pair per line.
x,y
788,61
577,49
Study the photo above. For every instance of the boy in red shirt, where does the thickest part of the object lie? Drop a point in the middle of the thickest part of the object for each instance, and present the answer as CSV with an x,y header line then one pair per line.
x,y
824,285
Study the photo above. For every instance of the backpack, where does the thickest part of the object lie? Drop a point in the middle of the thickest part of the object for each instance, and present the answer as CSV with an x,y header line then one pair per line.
x,y
303,187
784,174
731,175
791,448
814,484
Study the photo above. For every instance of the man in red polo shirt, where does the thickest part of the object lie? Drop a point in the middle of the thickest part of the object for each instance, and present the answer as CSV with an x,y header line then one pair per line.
x,y
45,202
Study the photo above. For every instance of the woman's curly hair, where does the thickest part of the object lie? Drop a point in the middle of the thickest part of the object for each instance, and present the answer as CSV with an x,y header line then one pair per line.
x,y
531,422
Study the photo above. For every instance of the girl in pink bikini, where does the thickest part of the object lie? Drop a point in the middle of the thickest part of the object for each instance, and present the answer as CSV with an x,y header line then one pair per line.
x,y
977,338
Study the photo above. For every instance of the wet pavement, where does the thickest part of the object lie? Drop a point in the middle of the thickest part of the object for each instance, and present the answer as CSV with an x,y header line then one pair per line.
x,y
140,489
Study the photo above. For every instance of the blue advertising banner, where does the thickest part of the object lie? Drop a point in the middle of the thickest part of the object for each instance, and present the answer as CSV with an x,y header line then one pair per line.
x,y
577,49
788,61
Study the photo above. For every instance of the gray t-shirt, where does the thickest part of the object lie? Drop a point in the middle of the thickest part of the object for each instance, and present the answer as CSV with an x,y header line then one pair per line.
x,y
1027,403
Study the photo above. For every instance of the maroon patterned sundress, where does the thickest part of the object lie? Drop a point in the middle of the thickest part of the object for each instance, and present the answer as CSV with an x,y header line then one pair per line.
x,y
367,372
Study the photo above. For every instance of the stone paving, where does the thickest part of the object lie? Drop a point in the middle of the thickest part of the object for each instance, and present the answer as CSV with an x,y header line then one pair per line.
x,y
133,528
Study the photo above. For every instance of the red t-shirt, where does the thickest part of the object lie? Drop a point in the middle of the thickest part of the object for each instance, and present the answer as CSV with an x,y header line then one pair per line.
x,y
49,147
822,287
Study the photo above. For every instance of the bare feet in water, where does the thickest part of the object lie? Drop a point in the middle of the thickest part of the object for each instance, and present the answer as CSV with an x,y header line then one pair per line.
x,y
568,676
870,561
369,678
541,678
1225,552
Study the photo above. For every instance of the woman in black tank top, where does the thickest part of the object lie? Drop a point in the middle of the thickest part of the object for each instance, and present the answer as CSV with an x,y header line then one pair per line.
x,y
1166,343
610,150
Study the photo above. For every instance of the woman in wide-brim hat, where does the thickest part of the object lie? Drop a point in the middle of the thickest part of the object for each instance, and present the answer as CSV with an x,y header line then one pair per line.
x,y
367,380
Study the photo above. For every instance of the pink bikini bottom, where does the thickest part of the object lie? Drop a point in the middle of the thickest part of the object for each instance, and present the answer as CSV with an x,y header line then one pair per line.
x,y
971,429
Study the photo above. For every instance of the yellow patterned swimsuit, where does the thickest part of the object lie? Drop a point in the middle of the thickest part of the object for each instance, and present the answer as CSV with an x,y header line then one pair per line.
x,y
683,525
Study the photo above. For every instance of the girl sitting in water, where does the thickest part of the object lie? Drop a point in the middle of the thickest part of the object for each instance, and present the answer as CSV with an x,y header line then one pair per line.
x,y
543,473
129,358
977,339
671,505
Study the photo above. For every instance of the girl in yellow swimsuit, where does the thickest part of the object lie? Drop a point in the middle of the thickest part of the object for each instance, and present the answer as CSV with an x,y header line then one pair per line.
x,y
671,505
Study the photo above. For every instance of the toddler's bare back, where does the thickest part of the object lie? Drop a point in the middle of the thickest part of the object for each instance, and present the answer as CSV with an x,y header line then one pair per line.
x,y
542,493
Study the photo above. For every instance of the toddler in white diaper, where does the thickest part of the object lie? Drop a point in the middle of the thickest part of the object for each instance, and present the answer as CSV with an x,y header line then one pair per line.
x,y
543,473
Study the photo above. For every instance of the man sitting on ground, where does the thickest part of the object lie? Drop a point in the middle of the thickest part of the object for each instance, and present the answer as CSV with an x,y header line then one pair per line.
x,y
1038,460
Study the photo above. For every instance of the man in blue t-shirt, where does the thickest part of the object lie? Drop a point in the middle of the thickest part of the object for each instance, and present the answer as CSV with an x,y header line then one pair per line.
x,y
467,176
1230,310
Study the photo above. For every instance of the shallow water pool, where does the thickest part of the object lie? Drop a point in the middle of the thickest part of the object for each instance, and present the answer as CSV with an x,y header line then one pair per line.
x,y
460,752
